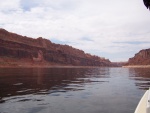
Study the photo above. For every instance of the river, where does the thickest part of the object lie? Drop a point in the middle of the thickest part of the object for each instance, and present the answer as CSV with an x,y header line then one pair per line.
x,y
72,90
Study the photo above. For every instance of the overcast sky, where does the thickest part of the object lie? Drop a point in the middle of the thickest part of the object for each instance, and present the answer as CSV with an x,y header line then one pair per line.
x,y
114,29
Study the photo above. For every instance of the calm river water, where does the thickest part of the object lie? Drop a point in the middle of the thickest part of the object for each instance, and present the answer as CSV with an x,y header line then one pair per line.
x,y
72,90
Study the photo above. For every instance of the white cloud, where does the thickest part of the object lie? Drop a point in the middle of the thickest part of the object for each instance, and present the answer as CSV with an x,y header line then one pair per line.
x,y
6,5
103,22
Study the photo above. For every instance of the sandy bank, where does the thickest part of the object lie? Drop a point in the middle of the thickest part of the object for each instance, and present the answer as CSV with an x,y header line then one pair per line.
x,y
44,66
137,66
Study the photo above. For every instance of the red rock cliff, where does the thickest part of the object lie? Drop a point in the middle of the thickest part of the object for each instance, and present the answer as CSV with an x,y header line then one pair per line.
x,y
42,50
141,58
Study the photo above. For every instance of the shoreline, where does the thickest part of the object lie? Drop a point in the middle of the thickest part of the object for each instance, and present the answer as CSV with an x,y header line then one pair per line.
x,y
49,66
136,66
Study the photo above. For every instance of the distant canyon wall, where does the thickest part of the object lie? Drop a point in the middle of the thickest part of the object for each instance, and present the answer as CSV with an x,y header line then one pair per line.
x,y
39,50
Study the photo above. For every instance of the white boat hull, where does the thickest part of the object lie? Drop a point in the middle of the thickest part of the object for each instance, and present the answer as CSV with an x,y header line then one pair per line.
x,y
144,104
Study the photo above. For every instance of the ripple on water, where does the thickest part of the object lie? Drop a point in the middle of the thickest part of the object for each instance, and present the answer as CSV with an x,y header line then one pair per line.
x,y
18,84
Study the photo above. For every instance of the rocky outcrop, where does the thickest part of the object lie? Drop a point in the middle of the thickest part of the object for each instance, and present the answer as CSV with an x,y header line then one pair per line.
x,y
141,58
42,50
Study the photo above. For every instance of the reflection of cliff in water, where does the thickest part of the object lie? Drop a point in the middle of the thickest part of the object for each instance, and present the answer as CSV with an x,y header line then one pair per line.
x,y
15,82
141,77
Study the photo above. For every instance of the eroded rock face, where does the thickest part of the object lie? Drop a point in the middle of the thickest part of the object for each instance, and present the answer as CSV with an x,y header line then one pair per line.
x,y
38,50
141,58
39,58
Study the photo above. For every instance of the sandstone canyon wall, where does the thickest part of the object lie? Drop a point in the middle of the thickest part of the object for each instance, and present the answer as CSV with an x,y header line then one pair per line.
x,y
141,58
14,46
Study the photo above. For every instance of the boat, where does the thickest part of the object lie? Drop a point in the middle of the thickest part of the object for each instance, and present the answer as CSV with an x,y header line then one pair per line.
x,y
144,104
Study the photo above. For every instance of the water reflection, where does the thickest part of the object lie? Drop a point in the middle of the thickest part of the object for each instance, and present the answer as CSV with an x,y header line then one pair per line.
x,y
17,82
72,90
141,77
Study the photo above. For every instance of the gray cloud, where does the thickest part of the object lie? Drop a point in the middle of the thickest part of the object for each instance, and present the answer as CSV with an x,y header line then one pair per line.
x,y
86,39
27,5
132,42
